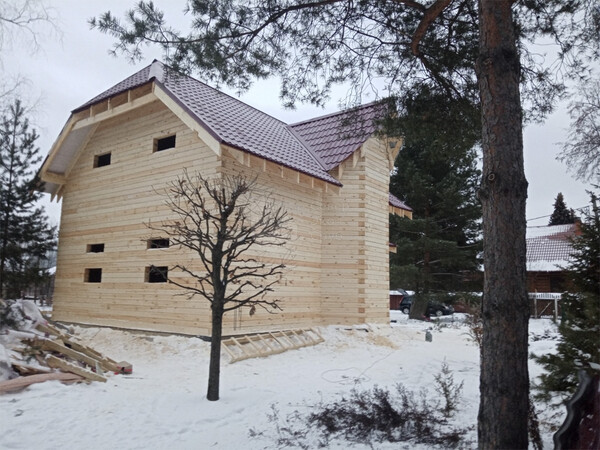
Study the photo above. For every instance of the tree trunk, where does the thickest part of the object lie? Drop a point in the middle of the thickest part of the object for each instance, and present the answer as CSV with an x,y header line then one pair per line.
x,y
504,382
214,370
418,309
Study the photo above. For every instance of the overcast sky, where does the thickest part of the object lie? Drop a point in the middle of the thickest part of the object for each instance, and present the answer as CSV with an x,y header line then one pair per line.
x,y
70,69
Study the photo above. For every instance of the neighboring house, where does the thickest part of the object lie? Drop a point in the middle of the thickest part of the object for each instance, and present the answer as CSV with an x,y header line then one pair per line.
x,y
548,252
119,150
399,208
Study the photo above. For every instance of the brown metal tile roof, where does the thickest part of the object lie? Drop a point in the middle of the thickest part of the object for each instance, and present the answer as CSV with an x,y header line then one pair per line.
x,y
395,201
549,247
335,137
313,147
229,120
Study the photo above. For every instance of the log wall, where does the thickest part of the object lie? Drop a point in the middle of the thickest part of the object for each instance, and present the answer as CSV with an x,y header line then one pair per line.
x,y
337,257
111,205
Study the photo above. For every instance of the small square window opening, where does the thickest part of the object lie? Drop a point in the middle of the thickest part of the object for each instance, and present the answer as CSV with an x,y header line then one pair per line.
x,y
157,274
93,275
164,143
102,160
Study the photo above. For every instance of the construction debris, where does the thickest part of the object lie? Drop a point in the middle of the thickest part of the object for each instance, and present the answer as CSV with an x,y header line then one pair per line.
x,y
33,350
264,344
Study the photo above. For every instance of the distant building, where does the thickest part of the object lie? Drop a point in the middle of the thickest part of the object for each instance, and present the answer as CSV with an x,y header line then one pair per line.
x,y
548,252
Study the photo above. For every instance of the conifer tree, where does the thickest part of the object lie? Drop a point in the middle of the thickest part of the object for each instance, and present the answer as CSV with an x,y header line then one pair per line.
x,y
436,174
475,50
561,214
25,234
579,347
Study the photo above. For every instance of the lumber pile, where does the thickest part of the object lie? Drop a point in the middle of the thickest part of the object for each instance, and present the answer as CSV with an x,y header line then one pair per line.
x,y
33,350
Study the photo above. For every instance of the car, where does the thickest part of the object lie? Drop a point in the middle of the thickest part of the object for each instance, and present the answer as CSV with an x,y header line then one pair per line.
x,y
405,304
433,308
439,309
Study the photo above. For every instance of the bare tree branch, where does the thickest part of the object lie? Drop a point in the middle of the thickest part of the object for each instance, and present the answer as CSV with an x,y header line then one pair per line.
x,y
581,152
225,222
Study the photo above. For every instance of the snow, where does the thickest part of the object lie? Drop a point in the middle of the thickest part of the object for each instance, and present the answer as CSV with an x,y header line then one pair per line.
x,y
163,405
549,230
555,265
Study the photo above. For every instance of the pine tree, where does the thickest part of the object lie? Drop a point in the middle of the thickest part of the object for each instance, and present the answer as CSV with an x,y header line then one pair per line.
x,y
436,174
579,347
25,235
475,50
561,214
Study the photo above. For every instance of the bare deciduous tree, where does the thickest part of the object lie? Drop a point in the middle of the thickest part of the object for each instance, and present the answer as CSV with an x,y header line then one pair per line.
x,y
225,221
463,49
23,19
582,151
23,24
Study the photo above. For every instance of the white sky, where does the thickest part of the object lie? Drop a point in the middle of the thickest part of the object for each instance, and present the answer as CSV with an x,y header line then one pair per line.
x,y
70,69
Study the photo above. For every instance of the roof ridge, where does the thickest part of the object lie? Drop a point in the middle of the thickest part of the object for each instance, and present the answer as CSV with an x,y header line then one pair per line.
x,y
107,93
288,128
310,150
161,78
223,93
344,111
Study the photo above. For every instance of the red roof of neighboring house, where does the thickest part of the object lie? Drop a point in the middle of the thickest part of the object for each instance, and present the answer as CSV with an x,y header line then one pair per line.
x,y
312,147
395,201
549,248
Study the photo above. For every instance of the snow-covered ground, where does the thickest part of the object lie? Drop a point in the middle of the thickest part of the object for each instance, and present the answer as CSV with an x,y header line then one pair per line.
x,y
162,405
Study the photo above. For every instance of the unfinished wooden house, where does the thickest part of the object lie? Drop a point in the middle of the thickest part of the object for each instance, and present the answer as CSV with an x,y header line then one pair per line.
x,y
117,151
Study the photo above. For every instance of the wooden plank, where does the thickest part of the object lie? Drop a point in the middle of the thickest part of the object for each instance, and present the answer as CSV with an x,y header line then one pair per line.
x,y
241,346
62,349
277,340
106,113
233,355
50,330
57,363
19,383
27,369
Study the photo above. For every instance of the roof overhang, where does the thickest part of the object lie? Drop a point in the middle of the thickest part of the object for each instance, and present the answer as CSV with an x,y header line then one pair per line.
x,y
83,123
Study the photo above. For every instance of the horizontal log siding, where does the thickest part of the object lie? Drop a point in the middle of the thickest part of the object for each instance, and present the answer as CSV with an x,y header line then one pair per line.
x,y
299,291
355,242
337,256
111,205
376,270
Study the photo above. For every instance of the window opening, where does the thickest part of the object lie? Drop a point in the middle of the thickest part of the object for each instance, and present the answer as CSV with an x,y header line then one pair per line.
x,y
157,274
102,160
158,243
93,275
95,248
164,143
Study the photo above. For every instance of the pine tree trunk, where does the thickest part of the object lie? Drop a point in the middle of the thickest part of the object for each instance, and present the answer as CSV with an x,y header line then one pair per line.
x,y
214,370
504,382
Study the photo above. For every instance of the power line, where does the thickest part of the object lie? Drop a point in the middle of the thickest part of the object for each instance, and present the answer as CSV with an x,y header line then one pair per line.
x,y
582,209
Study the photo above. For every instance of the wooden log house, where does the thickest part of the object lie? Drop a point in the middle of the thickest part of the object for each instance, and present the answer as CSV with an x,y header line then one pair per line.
x,y
548,254
117,151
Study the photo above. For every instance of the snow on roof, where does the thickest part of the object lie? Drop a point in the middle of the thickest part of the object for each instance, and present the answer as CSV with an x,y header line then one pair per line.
x,y
549,247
